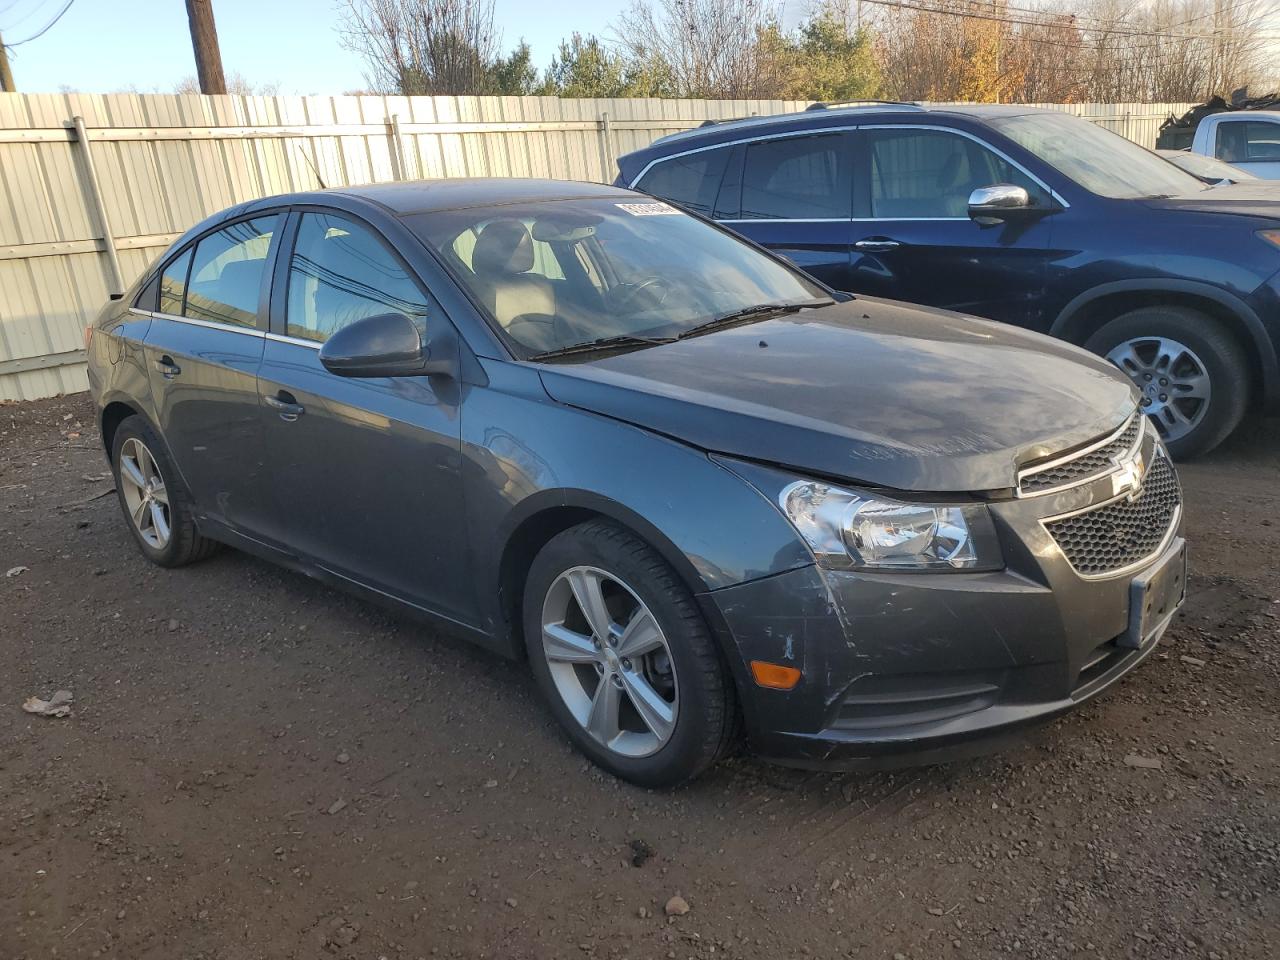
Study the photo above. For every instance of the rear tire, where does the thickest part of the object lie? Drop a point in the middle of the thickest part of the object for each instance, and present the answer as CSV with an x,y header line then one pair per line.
x,y
1193,374
156,507
654,742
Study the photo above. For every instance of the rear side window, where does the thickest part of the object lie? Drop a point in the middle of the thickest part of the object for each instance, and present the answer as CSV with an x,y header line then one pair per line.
x,y
929,174
173,284
226,273
340,273
796,178
692,181
1242,141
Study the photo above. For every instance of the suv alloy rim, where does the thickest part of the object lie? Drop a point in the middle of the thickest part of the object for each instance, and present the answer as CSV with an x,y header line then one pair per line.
x,y
144,493
610,661
1173,382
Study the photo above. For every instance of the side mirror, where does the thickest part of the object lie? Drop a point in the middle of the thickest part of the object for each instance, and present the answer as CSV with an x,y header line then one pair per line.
x,y
387,345
997,203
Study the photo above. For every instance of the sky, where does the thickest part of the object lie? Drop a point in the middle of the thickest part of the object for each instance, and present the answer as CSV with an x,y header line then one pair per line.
x,y
107,45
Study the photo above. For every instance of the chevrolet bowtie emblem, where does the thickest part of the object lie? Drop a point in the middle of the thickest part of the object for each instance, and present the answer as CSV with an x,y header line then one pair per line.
x,y
1127,480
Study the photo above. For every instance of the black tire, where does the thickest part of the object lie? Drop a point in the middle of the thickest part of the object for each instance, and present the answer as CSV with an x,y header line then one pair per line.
x,y
706,724
185,544
1224,360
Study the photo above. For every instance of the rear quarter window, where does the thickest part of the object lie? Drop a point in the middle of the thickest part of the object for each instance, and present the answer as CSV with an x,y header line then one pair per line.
x,y
692,181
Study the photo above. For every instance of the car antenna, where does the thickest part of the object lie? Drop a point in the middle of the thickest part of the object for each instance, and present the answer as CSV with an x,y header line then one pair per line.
x,y
319,179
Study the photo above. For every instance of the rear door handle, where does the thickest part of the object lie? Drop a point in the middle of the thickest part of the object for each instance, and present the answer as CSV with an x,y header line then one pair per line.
x,y
876,245
286,405
168,369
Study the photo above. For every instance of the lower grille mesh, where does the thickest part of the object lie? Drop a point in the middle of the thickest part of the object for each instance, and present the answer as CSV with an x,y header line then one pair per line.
x,y
1121,533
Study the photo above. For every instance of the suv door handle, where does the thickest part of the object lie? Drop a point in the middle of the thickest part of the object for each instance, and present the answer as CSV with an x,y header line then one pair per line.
x,y
876,245
168,369
286,405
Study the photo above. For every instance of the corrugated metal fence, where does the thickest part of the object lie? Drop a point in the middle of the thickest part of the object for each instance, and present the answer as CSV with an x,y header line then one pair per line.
x,y
92,187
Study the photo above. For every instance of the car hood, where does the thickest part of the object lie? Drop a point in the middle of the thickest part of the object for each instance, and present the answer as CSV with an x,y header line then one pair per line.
x,y
1247,198
871,391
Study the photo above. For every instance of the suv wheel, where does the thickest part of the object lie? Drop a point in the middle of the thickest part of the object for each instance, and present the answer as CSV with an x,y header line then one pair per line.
x,y
1191,373
624,658
155,505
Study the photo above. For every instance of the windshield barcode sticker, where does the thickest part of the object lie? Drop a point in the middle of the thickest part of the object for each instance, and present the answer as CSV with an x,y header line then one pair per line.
x,y
651,209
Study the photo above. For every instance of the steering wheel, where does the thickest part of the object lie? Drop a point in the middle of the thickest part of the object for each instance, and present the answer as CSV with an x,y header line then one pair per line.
x,y
629,294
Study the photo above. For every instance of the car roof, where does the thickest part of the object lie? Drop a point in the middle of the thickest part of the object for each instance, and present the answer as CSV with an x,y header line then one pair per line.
x,y
428,196
818,116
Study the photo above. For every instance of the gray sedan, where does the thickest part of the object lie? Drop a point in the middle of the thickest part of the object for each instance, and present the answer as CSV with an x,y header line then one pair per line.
x,y
710,500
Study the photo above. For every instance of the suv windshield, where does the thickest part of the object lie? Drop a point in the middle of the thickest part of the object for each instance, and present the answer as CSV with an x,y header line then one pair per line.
x,y
561,273
1102,162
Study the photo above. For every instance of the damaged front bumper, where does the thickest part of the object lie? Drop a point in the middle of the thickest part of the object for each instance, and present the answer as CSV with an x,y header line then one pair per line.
x,y
908,668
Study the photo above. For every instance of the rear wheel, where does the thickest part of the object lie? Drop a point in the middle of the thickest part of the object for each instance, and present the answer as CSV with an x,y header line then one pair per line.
x,y
624,659
1191,373
155,506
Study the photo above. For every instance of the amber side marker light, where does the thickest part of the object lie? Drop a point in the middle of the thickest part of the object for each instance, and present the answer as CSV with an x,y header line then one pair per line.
x,y
774,675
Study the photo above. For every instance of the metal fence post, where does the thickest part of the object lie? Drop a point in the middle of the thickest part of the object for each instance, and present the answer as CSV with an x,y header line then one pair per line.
x,y
100,208
402,171
606,146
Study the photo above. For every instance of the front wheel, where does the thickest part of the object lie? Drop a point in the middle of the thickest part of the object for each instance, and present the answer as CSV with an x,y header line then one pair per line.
x,y
624,658
1192,375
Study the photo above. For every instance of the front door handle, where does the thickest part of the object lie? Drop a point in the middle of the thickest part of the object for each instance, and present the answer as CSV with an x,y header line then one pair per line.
x,y
876,245
168,369
286,405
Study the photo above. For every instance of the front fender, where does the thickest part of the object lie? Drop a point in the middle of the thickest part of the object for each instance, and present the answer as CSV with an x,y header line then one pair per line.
x,y
525,455
1263,346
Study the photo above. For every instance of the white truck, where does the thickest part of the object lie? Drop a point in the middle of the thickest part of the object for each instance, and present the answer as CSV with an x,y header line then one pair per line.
x,y
1248,139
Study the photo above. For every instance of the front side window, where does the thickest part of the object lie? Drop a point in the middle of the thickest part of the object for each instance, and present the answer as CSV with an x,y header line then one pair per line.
x,y
1100,161
625,266
1245,141
796,178
340,273
929,174
226,273
692,181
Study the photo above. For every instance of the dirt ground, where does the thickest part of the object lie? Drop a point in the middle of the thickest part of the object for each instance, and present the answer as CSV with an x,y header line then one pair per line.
x,y
258,767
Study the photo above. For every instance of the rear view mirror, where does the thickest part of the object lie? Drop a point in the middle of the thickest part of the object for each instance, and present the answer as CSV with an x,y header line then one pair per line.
x,y
387,345
998,203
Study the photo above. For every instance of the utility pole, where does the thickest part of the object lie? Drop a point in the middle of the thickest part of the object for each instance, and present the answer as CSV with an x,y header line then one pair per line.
x,y
6,75
204,42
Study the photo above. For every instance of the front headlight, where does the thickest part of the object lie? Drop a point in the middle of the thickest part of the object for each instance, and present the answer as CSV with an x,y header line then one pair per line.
x,y
847,529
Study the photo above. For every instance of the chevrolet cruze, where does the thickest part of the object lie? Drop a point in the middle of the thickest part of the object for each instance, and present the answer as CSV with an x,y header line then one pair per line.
x,y
707,498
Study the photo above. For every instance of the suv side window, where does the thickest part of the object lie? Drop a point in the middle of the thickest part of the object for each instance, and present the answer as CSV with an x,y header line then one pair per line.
x,y
929,174
691,181
226,273
1243,141
796,178
340,272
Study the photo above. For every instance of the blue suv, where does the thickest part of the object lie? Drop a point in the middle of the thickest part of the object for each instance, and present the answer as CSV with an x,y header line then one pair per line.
x,y
1031,217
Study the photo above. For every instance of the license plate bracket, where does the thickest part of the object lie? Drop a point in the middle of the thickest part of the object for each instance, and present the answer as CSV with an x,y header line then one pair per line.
x,y
1155,596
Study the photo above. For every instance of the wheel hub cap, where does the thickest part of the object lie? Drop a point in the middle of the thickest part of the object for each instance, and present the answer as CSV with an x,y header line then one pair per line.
x,y
1172,379
144,493
609,661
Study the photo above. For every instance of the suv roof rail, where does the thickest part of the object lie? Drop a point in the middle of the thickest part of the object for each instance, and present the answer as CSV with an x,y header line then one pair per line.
x,y
822,105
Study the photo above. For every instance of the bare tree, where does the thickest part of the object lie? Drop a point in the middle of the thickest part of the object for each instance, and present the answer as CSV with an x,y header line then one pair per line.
x,y
710,48
424,46
236,84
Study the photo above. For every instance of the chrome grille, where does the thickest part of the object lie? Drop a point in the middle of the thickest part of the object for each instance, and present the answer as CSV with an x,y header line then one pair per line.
x,y
1090,463
1121,533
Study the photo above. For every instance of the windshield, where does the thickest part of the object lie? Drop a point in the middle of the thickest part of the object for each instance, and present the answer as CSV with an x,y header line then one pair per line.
x,y
1208,167
555,274
1102,162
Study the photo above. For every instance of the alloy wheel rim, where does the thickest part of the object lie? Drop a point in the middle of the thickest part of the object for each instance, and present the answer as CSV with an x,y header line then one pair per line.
x,y
145,494
610,661
1172,379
